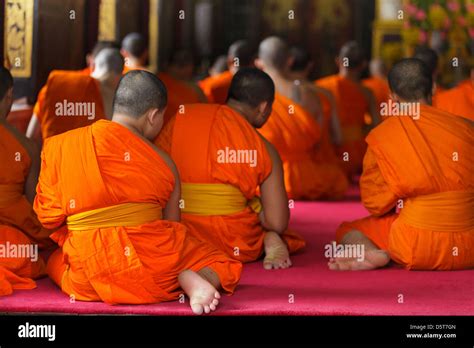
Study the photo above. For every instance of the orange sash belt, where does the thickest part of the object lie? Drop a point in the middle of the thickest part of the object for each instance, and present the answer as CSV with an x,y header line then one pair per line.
x,y
10,193
451,211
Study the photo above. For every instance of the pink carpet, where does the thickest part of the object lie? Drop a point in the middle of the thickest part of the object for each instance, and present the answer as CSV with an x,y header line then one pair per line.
x,y
308,288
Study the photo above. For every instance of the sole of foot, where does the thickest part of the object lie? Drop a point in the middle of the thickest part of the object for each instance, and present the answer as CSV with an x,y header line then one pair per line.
x,y
203,297
372,259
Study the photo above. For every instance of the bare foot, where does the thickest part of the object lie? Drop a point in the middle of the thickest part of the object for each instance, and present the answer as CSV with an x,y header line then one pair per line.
x,y
276,252
203,297
373,259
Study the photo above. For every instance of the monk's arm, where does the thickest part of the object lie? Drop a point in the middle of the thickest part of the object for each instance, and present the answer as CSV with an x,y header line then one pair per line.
x,y
33,175
373,107
275,213
376,195
172,212
334,124
33,127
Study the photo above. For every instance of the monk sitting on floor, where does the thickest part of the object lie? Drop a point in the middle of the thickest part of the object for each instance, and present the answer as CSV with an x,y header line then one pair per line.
x,y
354,102
73,99
299,70
223,162
458,100
294,128
20,229
118,195
421,163
216,88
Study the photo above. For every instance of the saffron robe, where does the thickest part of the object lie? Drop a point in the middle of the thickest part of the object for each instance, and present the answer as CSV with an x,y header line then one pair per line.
x,y
430,181
179,93
105,165
352,107
458,100
217,87
195,141
18,223
75,88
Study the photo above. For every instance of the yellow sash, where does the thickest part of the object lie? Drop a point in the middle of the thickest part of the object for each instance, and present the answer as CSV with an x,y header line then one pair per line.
x,y
451,211
215,199
10,193
124,215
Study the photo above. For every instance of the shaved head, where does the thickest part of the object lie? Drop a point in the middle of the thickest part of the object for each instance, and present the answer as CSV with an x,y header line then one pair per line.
x,y
274,52
411,80
428,56
100,45
135,44
252,87
377,67
6,82
108,61
301,58
352,52
243,51
138,92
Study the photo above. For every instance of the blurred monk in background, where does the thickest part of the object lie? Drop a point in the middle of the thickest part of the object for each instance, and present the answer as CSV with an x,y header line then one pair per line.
x,y
458,100
429,56
119,196
294,128
219,66
299,70
223,163
216,88
135,52
421,163
71,99
353,101
19,226
90,57
377,82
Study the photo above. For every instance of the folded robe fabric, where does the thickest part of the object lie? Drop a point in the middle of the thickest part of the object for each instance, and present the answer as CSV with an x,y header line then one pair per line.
x,y
425,168
101,167
201,142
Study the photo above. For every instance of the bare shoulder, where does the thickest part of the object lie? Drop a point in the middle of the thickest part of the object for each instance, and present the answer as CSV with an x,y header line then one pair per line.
x,y
272,151
167,158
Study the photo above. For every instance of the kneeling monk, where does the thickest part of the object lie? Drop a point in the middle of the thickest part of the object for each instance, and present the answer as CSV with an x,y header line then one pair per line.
x,y
20,230
223,162
119,196
421,164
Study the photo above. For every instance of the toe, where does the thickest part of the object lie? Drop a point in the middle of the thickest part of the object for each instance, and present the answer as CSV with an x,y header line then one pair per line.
x,y
212,307
197,308
207,309
215,302
217,295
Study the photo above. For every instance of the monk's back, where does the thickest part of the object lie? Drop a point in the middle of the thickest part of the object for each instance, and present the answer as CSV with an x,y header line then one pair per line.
x,y
14,159
110,161
429,155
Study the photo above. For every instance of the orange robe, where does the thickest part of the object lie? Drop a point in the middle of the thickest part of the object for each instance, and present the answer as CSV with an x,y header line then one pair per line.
x,y
179,93
74,88
379,88
18,222
193,140
296,135
352,108
105,165
458,100
430,181
216,88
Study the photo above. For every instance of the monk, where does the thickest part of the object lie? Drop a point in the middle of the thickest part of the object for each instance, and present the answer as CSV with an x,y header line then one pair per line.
x,y
177,79
72,99
294,128
216,88
220,202
419,162
377,82
353,101
134,51
458,100
90,57
19,226
429,56
118,195
299,70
